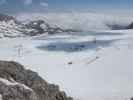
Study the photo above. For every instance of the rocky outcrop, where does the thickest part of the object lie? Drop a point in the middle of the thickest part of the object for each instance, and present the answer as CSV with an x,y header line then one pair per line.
x,y
15,91
130,26
17,83
42,27
6,17
38,26
116,26
119,27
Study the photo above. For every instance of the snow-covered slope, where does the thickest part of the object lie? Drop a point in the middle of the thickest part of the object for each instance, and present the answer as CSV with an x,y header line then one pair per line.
x,y
95,65
85,69
13,28
0,97
10,29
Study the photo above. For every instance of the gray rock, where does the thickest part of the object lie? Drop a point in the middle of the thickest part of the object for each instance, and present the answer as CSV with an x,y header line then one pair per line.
x,y
130,26
116,26
16,92
42,27
4,17
26,84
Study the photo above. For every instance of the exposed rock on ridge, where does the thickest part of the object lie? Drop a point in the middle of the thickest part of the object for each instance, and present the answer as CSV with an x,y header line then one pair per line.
x,y
17,83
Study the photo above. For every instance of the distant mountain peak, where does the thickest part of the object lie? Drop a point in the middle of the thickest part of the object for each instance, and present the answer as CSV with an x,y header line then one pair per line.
x,y
4,17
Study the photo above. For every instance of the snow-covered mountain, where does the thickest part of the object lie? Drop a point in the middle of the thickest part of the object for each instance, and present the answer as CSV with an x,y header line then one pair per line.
x,y
84,21
32,25
10,27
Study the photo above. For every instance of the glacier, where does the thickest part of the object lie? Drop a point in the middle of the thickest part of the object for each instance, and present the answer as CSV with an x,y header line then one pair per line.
x,y
101,66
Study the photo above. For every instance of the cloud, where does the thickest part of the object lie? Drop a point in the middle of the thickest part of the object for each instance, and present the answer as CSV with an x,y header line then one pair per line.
x,y
27,2
77,20
2,2
44,4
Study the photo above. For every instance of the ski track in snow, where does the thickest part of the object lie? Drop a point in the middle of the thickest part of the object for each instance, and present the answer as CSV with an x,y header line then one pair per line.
x,y
99,71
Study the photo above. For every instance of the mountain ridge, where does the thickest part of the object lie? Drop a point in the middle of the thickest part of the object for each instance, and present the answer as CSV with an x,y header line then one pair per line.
x,y
18,83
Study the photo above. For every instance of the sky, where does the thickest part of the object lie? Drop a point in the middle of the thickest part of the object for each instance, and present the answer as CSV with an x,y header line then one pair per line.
x,y
92,3
14,6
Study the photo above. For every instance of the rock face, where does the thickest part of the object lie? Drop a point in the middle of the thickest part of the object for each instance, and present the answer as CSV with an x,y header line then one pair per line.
x,y
116,26
6,17
119,27
130,26
17,83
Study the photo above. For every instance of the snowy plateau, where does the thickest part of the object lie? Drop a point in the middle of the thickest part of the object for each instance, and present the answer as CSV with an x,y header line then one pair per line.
x,y
94,64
